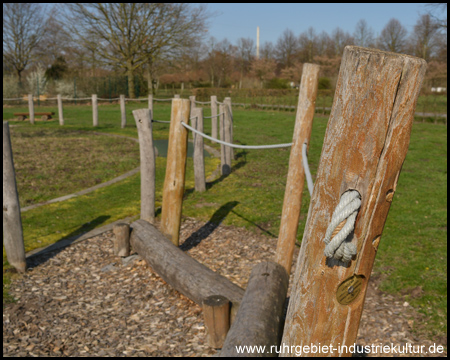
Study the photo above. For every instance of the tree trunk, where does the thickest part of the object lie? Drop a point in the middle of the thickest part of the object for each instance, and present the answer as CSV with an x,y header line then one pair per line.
x,y
130,77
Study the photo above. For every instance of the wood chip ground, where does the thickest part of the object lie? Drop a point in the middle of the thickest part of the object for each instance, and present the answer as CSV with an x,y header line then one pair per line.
x,y
84,301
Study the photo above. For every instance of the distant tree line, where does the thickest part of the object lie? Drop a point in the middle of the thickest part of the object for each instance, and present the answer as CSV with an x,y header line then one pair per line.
x,y
165,44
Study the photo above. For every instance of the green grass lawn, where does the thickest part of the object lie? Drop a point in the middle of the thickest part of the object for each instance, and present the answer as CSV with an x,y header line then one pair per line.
x,y
413,249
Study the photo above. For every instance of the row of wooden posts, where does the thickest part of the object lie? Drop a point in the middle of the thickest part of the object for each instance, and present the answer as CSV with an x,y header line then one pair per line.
x,y
365,144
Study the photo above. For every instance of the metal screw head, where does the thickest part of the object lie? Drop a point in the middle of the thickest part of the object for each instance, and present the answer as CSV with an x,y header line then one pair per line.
x,y
350,289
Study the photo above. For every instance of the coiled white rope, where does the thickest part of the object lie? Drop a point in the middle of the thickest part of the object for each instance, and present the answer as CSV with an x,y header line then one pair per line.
x,y
347,208
234,145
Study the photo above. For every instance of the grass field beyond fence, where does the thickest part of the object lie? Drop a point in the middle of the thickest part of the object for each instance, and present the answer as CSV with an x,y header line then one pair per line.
x,y
413,251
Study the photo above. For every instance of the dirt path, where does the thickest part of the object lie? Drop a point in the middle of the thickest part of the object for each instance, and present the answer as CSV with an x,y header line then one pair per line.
x,y
84,301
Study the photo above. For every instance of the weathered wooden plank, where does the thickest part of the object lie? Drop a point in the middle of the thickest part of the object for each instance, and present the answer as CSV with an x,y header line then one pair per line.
x,y
95,110
258,320
216,313
214,116
31,108
121,239
229,123
199,161
364,147
178,269
143,118
60,110
12,221
123,114
150,103
290,214
173,191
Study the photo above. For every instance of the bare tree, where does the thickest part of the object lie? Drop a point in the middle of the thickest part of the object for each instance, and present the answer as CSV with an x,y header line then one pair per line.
x,y
393,37
267,50
245,52
363,34
23,27
340,40
424,38
286,48
437,12
308,45
128,35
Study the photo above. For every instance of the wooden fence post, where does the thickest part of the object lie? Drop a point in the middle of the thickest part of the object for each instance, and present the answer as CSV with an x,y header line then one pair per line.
x,y
290,214
199,161
12,222
176,96
123,113
364,148
173,191
60,110
214,116
150,104
227,101
224,153
94,110
31,108
143,118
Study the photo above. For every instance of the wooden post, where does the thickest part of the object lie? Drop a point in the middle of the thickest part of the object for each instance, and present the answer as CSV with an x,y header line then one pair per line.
x,y
121,239
224,154
176,96
227,101
143,118
214,117
199,161
216,313
175,171
123,113
364,148
150,104
192,100
31,108
94,110
12,222
60,110
258,321
290,214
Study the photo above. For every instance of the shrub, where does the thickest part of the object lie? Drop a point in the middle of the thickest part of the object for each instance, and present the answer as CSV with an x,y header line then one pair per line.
x,y
11,87
324,83
277,83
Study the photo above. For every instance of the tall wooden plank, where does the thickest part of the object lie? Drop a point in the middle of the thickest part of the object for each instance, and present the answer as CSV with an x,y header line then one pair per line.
x,y
364,148
31,108
225,166
143,118
175,171
12,222
214,116
227,101
199,160
60,110
296,177
150,104
123,115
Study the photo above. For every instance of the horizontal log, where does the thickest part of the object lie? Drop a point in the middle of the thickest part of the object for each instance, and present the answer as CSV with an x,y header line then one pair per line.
x,y
179,270
258,321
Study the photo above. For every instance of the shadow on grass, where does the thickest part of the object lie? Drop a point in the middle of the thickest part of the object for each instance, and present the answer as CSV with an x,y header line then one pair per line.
x,y
206,230
50,251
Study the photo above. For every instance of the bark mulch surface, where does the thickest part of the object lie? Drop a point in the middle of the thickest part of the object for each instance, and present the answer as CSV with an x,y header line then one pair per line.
x,y
84,301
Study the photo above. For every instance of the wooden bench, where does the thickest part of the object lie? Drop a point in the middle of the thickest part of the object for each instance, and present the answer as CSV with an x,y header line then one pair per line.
x,y
44,115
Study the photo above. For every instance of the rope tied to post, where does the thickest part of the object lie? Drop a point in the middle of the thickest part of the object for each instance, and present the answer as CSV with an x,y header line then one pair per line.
x,y
341,225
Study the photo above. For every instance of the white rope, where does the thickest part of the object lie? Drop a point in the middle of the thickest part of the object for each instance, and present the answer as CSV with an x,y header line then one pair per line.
x,y
114,99
15,99
338,247
234,145
162,99
136,99
309,179
210,117
203,103
217,102
161,121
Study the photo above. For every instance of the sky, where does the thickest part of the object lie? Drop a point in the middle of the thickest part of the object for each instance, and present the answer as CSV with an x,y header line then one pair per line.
x,y
233,21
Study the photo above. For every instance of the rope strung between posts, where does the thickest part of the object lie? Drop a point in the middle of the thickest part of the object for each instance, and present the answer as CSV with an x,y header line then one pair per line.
x,y
233,145
341,225
203,103
161,121
16,99
210,117
162,99
309,179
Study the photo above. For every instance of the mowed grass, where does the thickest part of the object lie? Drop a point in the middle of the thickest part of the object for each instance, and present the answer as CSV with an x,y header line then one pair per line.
x,y
413,249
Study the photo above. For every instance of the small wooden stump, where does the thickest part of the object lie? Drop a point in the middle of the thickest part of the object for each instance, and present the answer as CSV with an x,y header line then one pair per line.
x,y
122,239
216,312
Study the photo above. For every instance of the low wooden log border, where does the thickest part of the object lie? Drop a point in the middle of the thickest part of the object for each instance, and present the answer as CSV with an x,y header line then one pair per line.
x,y
178,269
259,319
